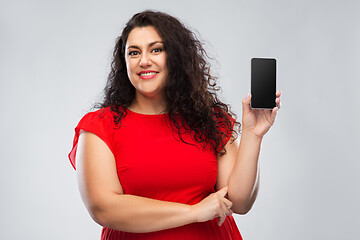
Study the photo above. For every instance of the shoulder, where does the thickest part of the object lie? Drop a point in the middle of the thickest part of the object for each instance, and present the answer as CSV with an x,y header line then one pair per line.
x,y
224,119
225,123
97,115
100,123
100,116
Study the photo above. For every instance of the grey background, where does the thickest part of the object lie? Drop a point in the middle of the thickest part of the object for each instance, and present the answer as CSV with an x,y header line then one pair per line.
x,y
54,59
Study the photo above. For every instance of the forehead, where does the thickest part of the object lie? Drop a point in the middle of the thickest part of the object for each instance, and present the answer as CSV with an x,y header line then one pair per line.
x,y
140,36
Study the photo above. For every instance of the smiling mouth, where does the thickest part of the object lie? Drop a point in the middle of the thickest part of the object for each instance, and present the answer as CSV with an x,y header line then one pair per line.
x,y
147,74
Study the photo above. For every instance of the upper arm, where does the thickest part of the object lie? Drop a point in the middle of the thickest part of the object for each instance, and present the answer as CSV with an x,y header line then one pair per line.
x,y
96,171
226,164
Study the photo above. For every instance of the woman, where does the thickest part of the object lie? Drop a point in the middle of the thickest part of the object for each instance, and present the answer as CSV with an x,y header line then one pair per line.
x,y
159,159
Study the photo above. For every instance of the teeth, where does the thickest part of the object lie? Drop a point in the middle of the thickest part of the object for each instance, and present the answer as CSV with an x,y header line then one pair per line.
x,y
148,74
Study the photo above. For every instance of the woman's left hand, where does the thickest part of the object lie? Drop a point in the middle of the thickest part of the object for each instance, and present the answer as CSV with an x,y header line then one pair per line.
x,y
258,121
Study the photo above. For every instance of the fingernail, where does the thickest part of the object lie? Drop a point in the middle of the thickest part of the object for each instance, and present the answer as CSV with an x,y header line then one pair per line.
x,y
248,96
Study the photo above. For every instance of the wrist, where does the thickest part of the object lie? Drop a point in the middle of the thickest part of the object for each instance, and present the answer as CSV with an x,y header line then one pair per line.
x,y
250,135
192,214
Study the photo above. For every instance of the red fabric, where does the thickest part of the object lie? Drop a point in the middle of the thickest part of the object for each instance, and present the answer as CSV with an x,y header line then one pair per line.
x,y
152,162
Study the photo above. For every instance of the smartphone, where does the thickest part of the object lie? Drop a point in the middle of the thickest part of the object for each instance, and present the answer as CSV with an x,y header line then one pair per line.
x,y
263,83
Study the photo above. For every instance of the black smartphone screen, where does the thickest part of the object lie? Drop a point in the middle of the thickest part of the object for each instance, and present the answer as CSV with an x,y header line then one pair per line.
x,y
263,83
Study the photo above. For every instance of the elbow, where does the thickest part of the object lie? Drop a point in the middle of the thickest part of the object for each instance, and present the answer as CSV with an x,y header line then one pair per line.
x,y
102,212
242,209
98,214
98,208
242,205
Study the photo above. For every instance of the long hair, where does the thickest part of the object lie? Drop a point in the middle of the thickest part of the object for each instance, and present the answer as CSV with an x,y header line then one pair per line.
x,y
190,91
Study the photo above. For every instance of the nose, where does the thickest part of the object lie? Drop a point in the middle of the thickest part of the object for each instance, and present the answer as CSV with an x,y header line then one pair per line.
x,y
145,60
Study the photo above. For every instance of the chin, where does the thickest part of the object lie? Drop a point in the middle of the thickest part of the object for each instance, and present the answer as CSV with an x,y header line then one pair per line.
x,y
150,94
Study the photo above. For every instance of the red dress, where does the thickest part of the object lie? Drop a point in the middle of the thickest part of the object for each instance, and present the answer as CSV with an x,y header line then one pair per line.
x,y
152,162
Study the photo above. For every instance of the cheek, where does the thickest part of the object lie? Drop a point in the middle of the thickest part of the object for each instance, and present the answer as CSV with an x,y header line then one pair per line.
x,y
164,60
130,68
163,63
128,72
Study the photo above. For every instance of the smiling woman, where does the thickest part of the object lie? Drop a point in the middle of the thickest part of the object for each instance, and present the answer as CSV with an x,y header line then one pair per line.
x,y
146,66
159,159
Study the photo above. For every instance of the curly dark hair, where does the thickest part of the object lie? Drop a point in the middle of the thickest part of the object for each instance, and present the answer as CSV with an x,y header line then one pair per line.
x,y
190,91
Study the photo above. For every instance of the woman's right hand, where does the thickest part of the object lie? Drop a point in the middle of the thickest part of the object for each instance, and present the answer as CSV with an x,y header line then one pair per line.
x,y
215,205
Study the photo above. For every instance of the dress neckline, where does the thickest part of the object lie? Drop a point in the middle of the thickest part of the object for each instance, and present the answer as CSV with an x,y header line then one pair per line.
x,y
147,115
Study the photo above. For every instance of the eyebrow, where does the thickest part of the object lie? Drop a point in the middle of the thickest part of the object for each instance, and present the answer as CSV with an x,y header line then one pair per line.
x,y
150,45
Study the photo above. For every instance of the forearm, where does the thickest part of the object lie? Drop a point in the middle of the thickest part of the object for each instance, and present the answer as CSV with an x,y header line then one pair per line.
x,y
131,213
244,179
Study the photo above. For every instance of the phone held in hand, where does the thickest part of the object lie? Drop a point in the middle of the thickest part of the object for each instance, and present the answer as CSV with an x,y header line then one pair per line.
x,y
263,83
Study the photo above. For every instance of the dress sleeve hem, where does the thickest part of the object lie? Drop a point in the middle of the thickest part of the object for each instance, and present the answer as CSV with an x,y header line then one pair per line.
x,y
100,126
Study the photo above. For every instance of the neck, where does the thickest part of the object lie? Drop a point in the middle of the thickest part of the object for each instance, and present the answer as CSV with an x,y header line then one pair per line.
x,y
147,105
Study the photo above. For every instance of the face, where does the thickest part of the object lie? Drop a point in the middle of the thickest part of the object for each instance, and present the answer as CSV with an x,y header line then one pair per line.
x,y
146,61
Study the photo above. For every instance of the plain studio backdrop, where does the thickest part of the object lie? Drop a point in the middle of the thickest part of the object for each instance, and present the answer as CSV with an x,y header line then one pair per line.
x,y
55,57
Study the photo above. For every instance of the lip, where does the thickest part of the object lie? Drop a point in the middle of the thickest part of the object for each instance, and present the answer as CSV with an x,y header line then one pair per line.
x,y
149,76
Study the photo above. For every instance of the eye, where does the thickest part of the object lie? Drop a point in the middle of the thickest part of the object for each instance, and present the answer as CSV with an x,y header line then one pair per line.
x,y
157,50
133,53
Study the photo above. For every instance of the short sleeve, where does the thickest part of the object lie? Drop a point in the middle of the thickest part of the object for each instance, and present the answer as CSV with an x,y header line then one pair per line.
x,y
101,123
